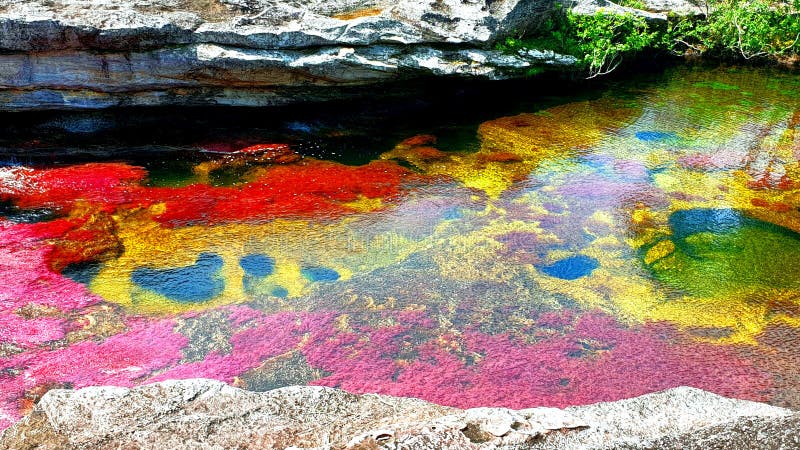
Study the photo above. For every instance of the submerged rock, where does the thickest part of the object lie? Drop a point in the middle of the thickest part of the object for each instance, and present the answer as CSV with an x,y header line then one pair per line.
x,y
101,53
203,413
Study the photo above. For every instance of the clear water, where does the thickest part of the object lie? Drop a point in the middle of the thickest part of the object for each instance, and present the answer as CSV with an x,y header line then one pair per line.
x,y
560,253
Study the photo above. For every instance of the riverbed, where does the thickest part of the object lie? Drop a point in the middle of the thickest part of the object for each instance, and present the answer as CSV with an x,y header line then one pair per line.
x,y
545,252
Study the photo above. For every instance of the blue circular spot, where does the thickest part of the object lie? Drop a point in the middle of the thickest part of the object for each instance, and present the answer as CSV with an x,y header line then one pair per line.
x,y
453,214
280,291
655,136
319,274
571,268
257,265
192,284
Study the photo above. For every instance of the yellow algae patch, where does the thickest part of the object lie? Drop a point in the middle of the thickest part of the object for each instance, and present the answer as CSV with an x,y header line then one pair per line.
x,y
299,251
745,321
342,323
642,216
365,204
470,257
635,299
580,289
564,127
474,255
780,206
512,147
695,188
659,251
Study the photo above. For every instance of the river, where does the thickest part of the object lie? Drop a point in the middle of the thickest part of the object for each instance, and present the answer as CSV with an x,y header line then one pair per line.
x,y
550,250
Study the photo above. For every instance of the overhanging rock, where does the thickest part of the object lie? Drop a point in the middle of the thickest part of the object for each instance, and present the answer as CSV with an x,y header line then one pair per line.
x,y
90,54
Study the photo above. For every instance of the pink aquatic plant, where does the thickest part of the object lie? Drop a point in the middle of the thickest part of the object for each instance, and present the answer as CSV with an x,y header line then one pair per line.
x,y
591,359
29,283
26,333
121,360
24,249
262,336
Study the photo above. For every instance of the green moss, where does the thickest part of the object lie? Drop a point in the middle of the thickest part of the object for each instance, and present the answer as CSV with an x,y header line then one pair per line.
x,y
716,85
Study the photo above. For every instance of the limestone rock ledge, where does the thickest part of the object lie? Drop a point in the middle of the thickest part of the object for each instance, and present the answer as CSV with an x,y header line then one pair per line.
x,y
206,414
90,54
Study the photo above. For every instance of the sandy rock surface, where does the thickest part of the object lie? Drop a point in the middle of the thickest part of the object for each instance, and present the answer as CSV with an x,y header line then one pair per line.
x,y
206,414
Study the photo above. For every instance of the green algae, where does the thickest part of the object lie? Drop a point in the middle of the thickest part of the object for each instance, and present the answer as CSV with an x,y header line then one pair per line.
x,y
733,258
716,85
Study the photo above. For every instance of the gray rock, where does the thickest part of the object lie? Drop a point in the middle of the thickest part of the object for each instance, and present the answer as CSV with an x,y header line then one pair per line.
x,y
215,74
592,7
265,24
679,7
653,10
91,54
98,24
205,414
94,54
670,419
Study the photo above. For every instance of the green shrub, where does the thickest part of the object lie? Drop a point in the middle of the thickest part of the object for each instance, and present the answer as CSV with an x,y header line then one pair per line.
x,y
605,39
729,29
739,29
600,42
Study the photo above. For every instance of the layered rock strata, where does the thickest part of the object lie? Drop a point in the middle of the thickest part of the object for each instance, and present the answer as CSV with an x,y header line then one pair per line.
x,y
205,414
101,53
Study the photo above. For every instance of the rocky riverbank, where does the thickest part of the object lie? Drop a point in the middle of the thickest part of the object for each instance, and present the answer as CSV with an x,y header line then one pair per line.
x,y
90,54
206,414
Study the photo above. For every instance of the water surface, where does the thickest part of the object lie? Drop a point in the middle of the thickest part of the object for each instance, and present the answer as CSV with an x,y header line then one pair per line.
x,y
566,252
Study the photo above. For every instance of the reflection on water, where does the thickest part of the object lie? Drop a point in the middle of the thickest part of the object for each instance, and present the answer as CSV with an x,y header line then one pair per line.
x,y
588,251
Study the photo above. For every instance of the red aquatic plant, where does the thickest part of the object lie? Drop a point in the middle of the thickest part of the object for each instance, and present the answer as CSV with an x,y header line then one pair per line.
x,y
313,188
61,187
310,188
91,238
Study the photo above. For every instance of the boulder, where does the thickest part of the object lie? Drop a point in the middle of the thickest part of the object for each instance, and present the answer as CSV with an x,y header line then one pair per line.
x,y
654,11
592,7
679,7
264,24
206,414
